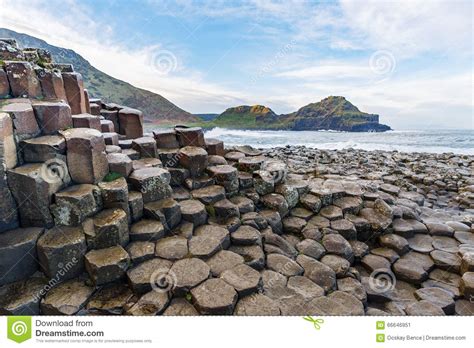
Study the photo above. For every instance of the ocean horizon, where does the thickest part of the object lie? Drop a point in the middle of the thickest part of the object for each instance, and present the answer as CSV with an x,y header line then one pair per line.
x,y
458,141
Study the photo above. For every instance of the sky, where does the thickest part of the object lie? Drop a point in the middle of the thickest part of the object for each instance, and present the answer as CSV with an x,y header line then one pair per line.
x,y
409,61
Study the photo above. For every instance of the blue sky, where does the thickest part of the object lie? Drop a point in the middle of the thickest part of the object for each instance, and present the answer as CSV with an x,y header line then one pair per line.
x,y
409,61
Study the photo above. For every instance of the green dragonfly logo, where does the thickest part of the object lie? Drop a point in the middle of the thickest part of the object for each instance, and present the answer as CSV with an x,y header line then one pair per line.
x,y
316,321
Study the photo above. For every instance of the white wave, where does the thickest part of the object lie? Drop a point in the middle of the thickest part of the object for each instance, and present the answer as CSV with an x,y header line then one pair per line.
x,y
218,132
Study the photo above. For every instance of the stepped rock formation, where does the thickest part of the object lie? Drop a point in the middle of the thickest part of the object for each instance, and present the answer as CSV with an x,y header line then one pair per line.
x,y
156,108
332,113
97,217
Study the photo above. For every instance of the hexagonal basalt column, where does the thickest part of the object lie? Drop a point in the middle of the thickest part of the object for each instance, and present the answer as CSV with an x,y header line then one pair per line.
x,y
4,85
23,80
52,116
18,254
86,156
107,265
44,148
146,146
190,136
215,147
130,123
52,84
106,229
152,182
33,185
24,121
61,252
86,121
74,86
74,204
194,159
166,139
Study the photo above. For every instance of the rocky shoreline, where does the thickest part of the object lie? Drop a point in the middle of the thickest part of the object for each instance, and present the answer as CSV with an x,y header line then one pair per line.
x,y
99,217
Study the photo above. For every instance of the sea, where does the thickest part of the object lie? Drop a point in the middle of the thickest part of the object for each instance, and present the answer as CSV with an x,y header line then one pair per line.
x,y
434,141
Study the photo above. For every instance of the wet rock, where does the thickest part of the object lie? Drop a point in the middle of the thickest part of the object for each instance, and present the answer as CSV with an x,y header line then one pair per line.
x,y
421,242
214,297
67,298
107,265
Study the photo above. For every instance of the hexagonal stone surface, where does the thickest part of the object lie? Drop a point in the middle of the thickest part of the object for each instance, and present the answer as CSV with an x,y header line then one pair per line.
x,y
21,298
445,260
246,235
284,265
147,230
180,307
338,245
208,240
152,303
154,271
424,308
345,228
305,287
351,303
193,211
318,272
152,182
447,244
209,194
110,299
243,278
188,273
214,297
60,248
223,260
331,212
172,248
353,287
311,248
107,265
467,285
194,159
338,264
253,255
408,227
422,243
257,305
437,296
395,242
66,298
106,229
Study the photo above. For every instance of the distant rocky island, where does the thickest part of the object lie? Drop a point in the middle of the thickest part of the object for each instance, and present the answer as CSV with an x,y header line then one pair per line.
x,y
332,113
